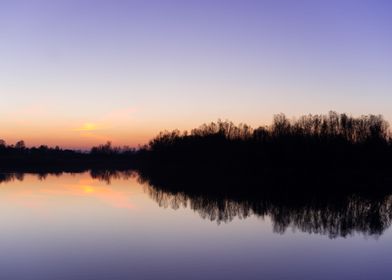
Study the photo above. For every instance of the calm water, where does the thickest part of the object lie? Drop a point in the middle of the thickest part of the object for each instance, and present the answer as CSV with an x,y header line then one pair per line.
x,y
78,227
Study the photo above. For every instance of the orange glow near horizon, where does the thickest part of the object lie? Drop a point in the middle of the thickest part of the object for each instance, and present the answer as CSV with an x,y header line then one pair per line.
x,y
78,75
88,127
122,127
128,126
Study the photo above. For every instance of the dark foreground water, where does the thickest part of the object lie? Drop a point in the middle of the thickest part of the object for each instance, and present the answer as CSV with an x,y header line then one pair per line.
x,y
78,227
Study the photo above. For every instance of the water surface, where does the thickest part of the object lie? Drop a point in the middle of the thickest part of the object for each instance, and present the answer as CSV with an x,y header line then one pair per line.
x,y
78,226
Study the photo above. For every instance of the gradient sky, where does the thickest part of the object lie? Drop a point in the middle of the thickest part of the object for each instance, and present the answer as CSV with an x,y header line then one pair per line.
x,y
80,72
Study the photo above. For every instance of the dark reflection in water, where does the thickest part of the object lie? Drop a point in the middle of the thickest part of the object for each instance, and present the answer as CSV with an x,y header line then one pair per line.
x,y
333,213
7,177
350,206
328,216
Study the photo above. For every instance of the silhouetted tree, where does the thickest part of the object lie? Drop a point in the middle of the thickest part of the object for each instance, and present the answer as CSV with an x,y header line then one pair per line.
x,y
314,143
333,140
20,145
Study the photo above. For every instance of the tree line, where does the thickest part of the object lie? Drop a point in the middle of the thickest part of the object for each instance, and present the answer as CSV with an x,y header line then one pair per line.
x,y
334,140
312,140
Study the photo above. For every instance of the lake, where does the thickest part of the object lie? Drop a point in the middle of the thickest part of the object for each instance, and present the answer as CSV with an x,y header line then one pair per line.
x,y
117,226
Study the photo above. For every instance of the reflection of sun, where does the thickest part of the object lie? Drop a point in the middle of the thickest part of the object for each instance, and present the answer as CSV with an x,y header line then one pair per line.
x,y
88,189
85,187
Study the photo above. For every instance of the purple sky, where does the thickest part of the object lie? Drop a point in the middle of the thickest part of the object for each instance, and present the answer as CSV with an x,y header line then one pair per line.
x,y
82,72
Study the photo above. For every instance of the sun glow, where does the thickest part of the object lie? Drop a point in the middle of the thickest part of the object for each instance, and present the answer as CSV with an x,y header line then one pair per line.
x,y
88,127
88,189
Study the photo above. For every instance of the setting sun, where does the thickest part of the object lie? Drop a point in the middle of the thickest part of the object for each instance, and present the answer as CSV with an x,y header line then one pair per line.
x,y
200,139
88,127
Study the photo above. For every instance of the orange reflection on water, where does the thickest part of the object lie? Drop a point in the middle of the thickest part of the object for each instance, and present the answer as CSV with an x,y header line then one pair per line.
x,y
94,188
39,194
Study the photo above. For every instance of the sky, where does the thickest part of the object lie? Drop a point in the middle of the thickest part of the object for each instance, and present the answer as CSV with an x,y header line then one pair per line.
x,y
77,73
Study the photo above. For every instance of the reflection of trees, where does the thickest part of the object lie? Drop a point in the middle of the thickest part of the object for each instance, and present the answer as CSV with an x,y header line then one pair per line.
x,y
7,177
108,175
105,175
19,176
353,214
334,212
331,214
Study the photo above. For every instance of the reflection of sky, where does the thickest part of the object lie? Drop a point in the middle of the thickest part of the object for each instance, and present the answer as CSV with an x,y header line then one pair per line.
x,y
43,198
127,69
74,227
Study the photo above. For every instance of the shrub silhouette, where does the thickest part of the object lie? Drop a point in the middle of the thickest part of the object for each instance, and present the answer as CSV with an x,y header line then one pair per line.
x,y
18,157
